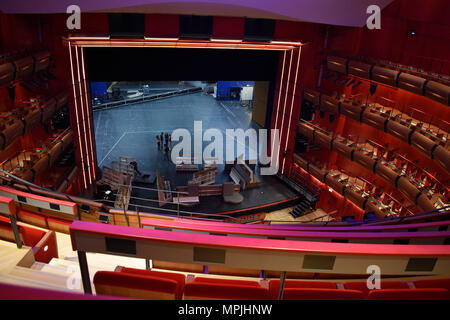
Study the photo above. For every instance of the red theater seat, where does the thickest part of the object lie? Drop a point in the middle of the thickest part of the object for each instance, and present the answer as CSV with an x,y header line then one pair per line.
x,y
321,294
134,286
210,291
31,236
434,283
6,232
227,281
31,218
362,286
177,277
409,294
59,225
274,286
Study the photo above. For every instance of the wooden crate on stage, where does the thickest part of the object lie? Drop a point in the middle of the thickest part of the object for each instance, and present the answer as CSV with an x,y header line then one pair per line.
x,y
186,201
205,177
209,190
164,190
112,178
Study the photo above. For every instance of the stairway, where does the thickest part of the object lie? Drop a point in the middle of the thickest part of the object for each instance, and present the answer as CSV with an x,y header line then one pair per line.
x,y
64,274
308,200
302,208
312,198
302,144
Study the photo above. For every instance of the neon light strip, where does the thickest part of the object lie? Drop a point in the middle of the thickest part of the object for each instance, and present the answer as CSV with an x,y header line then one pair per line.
x,y
287,43
225,40
173,42
76,115
93,38
285,99
88,113
161,39
82,115
292,105
278,104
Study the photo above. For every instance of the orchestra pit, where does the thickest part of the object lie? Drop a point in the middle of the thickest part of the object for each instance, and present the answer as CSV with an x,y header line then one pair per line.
x,y
288,150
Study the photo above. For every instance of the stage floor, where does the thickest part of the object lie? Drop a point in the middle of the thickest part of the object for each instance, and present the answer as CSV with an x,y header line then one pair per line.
x,y
272,194
131,131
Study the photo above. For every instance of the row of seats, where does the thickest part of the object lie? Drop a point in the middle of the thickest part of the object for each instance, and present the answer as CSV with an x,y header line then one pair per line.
x,y
90,211
34,163
433,188
48,159
16,125
431,89
365,199
360,113
389,290
24,68
150,284
396,179
44,221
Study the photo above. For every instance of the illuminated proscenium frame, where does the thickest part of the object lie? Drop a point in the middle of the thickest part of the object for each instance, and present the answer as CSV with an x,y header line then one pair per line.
x,y
81,113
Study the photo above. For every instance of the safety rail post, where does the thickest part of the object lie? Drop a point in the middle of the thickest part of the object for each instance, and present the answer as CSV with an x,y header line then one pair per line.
x,y
138,217
125,212
84,270
281,288
15,231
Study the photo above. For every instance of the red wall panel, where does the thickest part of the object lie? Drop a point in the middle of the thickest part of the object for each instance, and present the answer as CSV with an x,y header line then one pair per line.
x,y
228,28
162,25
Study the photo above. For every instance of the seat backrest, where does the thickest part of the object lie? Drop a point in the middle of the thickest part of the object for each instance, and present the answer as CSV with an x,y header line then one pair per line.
x,y
134,286
29,236
433,283
409,294
179,278
227,281
6,233
211,291
274,285
321,294
362,286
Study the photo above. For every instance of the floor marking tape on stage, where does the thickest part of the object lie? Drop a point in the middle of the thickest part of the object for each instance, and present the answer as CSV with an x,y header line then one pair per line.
x,y
123,134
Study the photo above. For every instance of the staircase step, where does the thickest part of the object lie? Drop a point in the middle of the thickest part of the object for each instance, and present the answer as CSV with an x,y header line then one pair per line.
x,y
34,283
55,280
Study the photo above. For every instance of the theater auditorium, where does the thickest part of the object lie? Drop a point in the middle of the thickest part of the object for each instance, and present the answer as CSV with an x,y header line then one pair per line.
x,y
225,150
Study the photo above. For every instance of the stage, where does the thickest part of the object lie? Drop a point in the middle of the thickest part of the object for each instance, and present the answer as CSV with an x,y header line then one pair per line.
x,y
272,194
131,131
